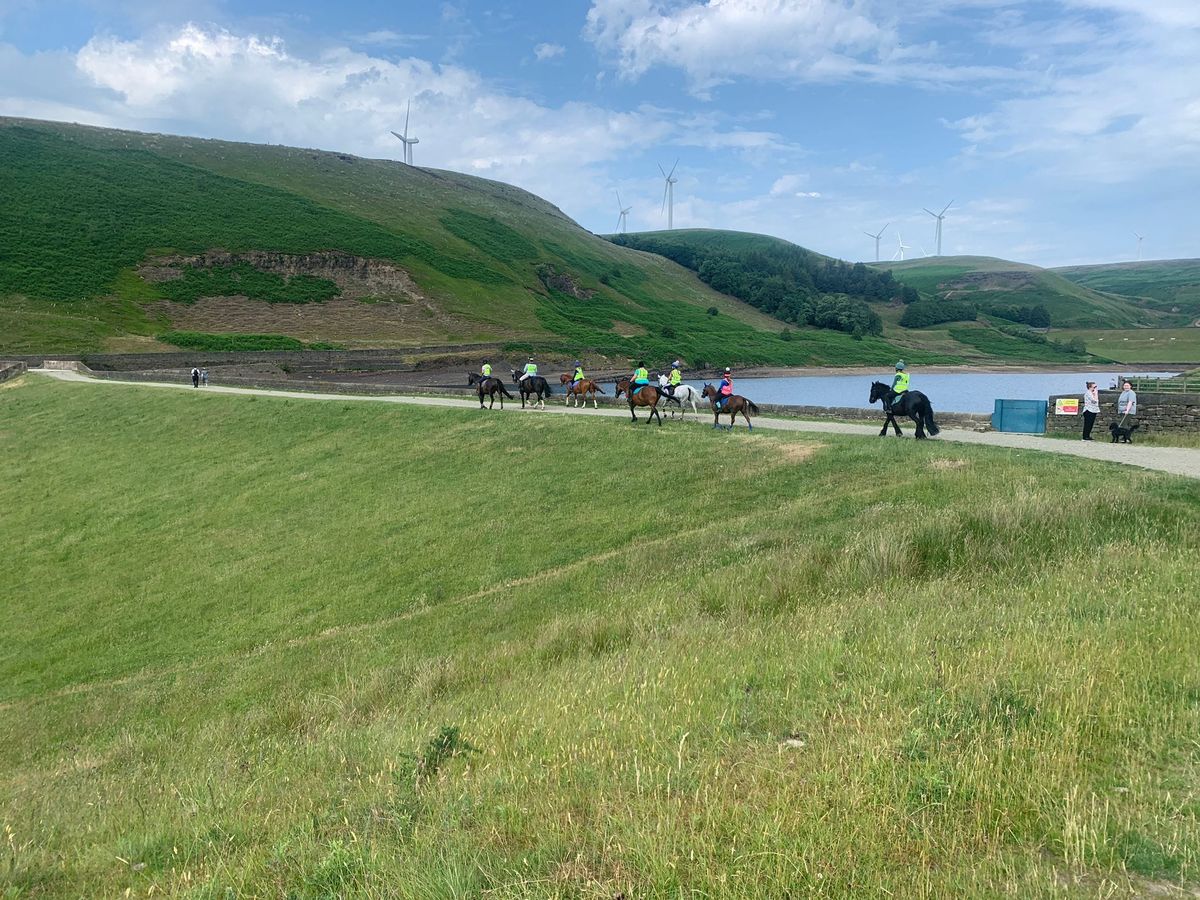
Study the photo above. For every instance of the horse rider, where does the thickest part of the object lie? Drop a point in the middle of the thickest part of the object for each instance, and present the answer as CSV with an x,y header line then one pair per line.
x,y
725,389
530,370
675,379
485,371
578,374
899,383
641,378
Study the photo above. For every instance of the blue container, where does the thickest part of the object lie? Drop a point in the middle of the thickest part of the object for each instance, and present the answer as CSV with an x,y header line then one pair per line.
x,y
1024,416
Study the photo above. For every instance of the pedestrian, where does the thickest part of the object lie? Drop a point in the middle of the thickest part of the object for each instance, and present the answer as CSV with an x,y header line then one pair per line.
x,y
204,377
195,377
1091,408
1127,406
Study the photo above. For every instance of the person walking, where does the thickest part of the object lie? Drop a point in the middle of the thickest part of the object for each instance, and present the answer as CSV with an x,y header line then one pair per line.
x,y
204,377
195,377
1091,408
1127,406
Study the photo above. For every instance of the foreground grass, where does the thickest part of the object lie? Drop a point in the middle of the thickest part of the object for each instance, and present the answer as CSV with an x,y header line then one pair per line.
x,y
268,647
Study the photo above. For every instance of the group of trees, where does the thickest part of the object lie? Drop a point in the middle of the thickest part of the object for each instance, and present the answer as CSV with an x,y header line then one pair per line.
x,y
924,313
784,281
1033,316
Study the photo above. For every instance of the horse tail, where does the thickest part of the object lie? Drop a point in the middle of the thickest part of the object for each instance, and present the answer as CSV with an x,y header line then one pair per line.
x,y
503,389
753,407
931,427
598,388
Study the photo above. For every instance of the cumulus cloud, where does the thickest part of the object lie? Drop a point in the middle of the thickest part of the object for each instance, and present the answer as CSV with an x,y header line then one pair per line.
x,y
544,52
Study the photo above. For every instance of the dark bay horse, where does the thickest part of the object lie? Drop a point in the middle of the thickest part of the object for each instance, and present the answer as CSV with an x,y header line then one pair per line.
x,y
733,405
647,396
533,386
489,384
577,394
913,404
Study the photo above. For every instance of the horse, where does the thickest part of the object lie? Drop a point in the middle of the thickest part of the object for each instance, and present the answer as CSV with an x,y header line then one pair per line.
x,y
491,384
733,405
534,385
647,396
684,393
913,404
577,394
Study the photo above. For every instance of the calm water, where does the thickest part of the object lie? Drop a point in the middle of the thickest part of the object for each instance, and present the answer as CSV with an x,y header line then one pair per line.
x,y
974,392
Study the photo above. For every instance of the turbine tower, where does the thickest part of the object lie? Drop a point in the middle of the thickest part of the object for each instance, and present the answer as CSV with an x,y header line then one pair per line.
x,y
669,194
405,139
877,237
623,218
939,217
1140,237
900,248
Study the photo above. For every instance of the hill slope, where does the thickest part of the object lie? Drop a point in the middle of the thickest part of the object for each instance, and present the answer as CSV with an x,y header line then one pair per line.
x,y
992,284
1170,286
105,234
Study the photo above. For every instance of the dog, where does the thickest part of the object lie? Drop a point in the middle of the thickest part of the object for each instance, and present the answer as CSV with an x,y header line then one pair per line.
x,y
1122,434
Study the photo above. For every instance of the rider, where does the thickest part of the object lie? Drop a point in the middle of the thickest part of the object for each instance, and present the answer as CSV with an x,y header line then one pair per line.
x,y
578,375
899,383
725,390
675,379
485,370
530,369
641,378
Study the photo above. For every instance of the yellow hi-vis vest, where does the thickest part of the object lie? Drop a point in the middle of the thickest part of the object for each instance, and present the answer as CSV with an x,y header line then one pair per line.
x,y
578,376
676,377
641,376
486,370
530,368
900,382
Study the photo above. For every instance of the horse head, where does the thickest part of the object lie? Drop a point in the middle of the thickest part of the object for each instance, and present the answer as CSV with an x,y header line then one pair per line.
x,y
516,376
878,391
709,391
564,378
622,386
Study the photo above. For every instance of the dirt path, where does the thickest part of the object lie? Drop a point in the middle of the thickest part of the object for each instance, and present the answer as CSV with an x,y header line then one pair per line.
x,y
1175,460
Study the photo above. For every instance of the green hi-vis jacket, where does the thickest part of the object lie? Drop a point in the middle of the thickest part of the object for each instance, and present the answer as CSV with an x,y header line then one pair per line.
x,y
641,376
578,376
900,382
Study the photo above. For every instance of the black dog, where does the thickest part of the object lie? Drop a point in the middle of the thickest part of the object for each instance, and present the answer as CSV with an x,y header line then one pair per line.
x,y
1122,434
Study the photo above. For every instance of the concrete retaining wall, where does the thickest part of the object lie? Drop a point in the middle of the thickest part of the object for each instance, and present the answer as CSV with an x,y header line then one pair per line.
x,y
11,370
1157,413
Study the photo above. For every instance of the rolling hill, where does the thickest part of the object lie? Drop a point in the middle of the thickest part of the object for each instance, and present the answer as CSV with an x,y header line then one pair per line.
x,y
121,240
1169,286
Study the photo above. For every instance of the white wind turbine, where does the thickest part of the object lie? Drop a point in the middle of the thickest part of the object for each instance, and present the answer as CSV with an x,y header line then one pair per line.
x,y
623,218
939,217
900,247
1140,237
877,237
669,194
405,139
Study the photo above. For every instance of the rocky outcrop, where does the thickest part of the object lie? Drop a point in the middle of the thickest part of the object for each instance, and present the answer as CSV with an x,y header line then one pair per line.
x,y
563,282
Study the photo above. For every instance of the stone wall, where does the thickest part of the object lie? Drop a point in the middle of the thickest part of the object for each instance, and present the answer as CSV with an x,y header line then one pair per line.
x,y
1157,413
11,370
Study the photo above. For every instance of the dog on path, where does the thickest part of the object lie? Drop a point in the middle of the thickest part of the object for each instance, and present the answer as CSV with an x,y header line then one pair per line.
x,y
1124,435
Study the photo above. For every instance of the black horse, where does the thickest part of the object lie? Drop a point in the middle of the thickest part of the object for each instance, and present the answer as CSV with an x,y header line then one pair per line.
x,y
913,404
533,386
490,385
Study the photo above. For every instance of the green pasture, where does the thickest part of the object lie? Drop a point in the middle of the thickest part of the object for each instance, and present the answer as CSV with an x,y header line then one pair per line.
x,y
1171,286
1138,345
261,647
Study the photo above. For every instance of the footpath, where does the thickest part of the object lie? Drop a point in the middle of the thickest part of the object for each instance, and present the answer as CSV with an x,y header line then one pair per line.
x,y
1174,460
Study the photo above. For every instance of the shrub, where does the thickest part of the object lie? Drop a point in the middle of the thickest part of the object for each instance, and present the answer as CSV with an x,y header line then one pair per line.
x,y
927,312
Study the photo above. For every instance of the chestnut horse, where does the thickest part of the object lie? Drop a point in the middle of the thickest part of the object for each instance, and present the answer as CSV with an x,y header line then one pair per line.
x,y
647,396
733,405
577,395
491,384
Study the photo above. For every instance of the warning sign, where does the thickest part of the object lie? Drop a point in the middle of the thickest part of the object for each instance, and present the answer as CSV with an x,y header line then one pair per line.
x,y
1066,406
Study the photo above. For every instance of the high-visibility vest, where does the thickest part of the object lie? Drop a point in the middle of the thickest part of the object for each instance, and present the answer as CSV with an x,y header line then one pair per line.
x,y
900,382
530,368
487,370
676,377
641,376
578,376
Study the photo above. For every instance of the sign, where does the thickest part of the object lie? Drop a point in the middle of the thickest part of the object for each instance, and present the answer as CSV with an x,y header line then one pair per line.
x,y
1066,406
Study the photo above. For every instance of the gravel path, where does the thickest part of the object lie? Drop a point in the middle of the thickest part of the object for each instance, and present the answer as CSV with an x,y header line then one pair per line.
x,y
1175,460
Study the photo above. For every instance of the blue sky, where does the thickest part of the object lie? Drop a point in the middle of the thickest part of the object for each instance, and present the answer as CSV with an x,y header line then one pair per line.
x,y
1057,127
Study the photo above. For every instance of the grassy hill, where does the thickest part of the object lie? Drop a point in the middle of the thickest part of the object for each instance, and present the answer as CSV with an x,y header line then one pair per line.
x,y
990,283
109,239
306,649
1170,286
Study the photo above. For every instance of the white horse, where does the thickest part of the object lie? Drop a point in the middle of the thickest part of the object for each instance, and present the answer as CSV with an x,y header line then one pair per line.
x,y
684,393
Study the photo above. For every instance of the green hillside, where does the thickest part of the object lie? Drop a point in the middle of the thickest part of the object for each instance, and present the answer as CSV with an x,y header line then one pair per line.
x,y
995,285
111,239
1170,286
332,659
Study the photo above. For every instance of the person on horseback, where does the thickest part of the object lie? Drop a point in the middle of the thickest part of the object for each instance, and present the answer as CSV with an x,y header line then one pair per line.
x,y
486,370
530,369
641,378
726,387
899,384
578,375
675,379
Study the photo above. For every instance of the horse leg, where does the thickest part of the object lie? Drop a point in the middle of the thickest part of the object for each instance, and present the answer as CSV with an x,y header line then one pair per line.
x,y
746,416
595,405
920,427
631,412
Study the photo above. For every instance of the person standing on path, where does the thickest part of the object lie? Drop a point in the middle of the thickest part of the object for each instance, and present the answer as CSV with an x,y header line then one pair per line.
x,y
1091,408
204,377
195,377
1127,406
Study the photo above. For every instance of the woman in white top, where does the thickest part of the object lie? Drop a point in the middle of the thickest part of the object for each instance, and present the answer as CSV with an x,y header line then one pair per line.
x,y
1091,408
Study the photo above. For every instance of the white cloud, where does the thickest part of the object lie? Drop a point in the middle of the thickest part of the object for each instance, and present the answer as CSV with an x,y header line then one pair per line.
x,y
544,52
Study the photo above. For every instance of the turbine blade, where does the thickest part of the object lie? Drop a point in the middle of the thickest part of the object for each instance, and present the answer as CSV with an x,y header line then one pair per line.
x,y
661,169
672,172
884,228
398,136
948,205
618,199
935,215
407,110
664,203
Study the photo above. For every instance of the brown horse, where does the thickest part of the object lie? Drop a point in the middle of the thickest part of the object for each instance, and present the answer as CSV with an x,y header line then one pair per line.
x,y
577,394
647,396
491,385
733,405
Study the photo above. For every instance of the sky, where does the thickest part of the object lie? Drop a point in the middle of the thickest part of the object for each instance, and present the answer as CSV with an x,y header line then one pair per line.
x,y
1057,128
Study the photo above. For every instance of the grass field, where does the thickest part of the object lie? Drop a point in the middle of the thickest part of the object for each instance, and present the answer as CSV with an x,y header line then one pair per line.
x,y
1169,285
260,647
1138,345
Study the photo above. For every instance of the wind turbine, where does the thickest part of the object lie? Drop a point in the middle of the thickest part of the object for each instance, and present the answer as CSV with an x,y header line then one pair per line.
x,y
1140,237
877,237
939,217
669,194
405,139
900,248
623,218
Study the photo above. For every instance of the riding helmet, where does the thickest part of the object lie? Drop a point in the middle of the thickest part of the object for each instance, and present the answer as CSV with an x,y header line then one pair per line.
x,y
728,371
900,366
677,364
